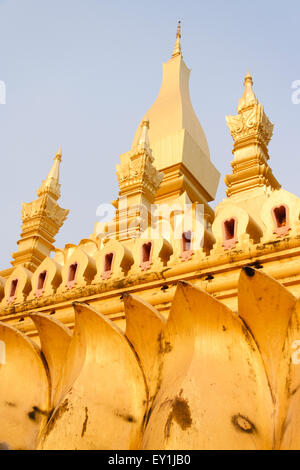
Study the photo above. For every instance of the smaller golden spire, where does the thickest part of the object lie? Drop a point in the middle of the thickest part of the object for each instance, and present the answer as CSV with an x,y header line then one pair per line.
x,y
42,218
248,97
177,47
251,131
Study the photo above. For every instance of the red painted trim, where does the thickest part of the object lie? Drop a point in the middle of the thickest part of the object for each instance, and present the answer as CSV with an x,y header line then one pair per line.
x,y
146,264
12,298
71,284
231,242
107,273
39,292
284,229
185,255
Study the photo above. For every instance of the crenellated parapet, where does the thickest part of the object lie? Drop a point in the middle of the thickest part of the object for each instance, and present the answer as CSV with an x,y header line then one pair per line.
x,y
45,279
17,287
234,228
78,271
113,261
90,270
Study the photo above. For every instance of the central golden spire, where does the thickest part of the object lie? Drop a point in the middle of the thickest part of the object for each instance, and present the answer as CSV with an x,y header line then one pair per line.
x,y
177,47
177,139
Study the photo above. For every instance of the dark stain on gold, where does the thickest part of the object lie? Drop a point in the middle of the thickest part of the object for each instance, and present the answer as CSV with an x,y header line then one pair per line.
x,y
243,424
180,413
85,422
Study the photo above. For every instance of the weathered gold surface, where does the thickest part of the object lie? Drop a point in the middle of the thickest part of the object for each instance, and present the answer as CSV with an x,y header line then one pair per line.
x,y
212,378
107,399
205,378
55,339
24,390
153,343
144,329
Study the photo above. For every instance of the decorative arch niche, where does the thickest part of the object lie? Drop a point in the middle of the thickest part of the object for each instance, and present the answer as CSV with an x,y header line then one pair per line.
x,y
17,286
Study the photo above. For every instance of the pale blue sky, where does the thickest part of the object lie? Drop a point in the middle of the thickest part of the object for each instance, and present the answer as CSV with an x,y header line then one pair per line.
x,y
82,73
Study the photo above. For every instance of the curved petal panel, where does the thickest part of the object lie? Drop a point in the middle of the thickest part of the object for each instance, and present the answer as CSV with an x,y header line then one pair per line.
x,y
144,330
266,307
55,340
289,373
106,404
24,390
214,392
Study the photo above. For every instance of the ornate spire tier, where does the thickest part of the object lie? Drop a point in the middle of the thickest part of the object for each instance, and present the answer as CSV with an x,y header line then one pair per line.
x,y
136,173
139,181
41,219
251,131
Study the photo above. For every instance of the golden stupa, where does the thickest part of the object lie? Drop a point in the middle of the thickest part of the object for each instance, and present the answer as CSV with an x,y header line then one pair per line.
x,y
174,326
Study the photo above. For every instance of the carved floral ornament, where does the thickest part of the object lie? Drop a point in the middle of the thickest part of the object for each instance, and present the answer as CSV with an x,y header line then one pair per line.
x,y
44,206
139,170
251,122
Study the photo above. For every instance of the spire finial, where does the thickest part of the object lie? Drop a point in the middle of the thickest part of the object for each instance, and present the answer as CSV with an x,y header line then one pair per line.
x,y
248,78
58,154
144,138
51,184
177,47
248,97
178,35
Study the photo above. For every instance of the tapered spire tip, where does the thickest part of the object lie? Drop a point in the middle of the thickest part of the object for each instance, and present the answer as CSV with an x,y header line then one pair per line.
x,y
248,97
144,138
248,78
51,184
177,47
58,154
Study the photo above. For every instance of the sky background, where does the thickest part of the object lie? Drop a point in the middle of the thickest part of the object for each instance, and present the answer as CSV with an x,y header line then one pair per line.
x,y
81,74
